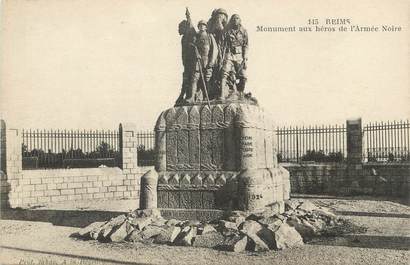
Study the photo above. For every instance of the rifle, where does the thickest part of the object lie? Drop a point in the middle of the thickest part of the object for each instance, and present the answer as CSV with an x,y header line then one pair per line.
x,y
200,63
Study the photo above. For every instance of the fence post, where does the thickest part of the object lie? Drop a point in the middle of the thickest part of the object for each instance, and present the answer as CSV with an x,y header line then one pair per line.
x,y
354,147
297,145
120,147
354,142
129,154
3,147
14,171
4,185
129,158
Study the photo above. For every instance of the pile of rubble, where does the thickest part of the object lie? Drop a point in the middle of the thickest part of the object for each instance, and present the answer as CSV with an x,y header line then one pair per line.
x,y
239,231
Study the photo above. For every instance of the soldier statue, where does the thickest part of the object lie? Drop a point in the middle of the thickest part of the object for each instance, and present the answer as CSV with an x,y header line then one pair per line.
x,y
206,50
214,58
187,31
236,56
217,24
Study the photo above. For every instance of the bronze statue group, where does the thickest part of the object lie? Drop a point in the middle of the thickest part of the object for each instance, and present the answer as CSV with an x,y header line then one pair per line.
x,y
214,58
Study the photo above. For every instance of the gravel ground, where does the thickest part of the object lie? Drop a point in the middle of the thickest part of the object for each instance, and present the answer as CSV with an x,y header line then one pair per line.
x,y
45,239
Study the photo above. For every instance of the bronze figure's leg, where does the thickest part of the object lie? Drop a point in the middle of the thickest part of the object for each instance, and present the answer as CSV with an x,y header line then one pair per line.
x,y
226,69
186,75
193,87
240,74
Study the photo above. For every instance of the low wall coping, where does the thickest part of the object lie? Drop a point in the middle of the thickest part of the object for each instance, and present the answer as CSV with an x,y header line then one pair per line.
x,y
72,172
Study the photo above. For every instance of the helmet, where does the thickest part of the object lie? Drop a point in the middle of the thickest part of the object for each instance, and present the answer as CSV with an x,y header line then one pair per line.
x,y
202,22
219,11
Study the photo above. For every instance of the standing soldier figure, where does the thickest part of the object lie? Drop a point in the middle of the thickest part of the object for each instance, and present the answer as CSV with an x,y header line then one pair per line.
x,y
207,52
187,31
236,56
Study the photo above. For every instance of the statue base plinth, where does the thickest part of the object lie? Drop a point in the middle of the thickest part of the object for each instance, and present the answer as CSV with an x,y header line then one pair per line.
x,y
217,157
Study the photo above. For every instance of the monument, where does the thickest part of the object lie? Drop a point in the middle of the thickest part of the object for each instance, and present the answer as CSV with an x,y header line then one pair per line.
x,y
215,149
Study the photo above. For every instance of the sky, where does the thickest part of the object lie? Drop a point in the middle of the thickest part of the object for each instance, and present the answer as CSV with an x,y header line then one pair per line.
x,y
95,63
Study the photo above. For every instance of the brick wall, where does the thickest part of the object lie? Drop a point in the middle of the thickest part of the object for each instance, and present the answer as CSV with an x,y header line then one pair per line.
x,y
13,166
38,187
20,188
4,187
2,146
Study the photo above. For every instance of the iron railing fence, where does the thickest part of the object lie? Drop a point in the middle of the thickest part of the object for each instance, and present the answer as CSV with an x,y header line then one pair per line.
x,y
70,148
387,141
294,144
382,141
146,148
311,143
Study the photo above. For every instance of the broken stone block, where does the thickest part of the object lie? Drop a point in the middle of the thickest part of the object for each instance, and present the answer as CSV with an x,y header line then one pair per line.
x,y
151,231
299,212
267,235
254,217
256,244
272,221
172,222
168,235
141,222
307,206
304,228
187,239
318,223
185,236
229,232
85,232
108,228
158,221
208,240
287,237
236,219
184,231
291,205
268,211
272,209
278,207
288,213
134,236
226,224
235,243
280,216
120,233
325,212
207,229
95,234
250,227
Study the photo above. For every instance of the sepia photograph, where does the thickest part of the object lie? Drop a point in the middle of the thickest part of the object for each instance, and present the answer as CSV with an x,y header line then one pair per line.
x,y
204,132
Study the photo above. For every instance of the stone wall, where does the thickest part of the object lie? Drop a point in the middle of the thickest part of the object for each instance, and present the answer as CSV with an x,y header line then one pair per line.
x,y
20,188
392,179
12,165
3,184
37,187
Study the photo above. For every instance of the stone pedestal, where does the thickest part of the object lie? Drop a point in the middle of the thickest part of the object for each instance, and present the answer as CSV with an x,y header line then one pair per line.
x,y
218,158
